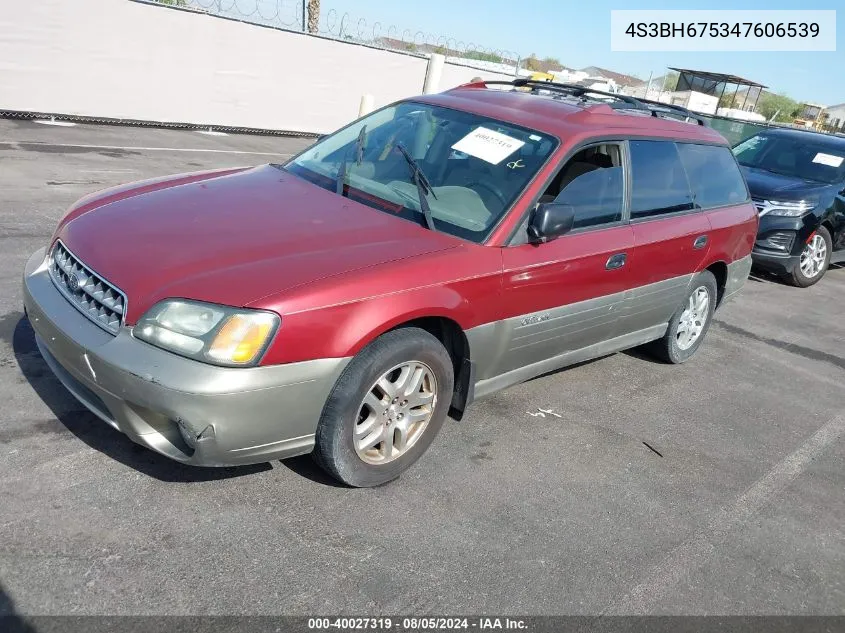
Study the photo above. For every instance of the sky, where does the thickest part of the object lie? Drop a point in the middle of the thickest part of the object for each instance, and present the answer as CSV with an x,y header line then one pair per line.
x,y
578,34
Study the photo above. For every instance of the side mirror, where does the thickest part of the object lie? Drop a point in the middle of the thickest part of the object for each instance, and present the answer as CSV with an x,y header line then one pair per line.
x,y
549,221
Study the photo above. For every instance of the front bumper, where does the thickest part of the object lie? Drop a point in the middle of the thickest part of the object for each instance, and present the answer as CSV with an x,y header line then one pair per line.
x,y
772,262
778,261
189,411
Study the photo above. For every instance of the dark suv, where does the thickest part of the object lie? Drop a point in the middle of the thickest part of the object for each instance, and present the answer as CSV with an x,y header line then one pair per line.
x,y
797,182
434,252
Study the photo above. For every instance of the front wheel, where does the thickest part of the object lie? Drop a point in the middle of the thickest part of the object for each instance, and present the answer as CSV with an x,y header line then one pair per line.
x,y
690,323
814,260
386,408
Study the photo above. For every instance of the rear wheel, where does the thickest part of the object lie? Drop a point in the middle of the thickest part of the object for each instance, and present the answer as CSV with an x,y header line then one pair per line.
x,y
814,260
386,408
690,323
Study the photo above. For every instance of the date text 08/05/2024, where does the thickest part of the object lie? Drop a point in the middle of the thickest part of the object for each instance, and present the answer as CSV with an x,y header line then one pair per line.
x,y
416,623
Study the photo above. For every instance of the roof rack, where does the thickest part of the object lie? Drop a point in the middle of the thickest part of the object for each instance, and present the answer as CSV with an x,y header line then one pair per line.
x,y
623,102
570,89
681,110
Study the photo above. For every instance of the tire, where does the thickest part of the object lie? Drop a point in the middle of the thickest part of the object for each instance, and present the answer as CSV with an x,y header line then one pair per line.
x,y
358,409
819,239
673,348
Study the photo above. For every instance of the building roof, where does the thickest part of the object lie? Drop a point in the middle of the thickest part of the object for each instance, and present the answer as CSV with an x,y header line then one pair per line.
x,y
719,77
619,78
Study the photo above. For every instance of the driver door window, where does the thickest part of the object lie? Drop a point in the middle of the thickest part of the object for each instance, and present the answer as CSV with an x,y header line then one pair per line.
x,y
566,282
592,183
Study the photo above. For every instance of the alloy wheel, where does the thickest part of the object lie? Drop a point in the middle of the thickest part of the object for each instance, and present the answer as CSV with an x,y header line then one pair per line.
x,y
813,257
693,318
395,412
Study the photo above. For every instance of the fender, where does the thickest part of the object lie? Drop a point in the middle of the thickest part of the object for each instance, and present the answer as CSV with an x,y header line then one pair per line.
x,y
733,231
343,330
327,320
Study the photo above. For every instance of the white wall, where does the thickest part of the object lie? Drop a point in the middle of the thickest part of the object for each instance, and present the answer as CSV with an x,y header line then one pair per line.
x,y
704,103
836,116
739,113
123,59
455,75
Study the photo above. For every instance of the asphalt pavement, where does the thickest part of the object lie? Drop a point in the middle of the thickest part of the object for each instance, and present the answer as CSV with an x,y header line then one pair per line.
x,y
715,487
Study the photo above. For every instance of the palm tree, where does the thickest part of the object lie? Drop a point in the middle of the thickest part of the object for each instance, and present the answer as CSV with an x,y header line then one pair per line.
x,y
313,16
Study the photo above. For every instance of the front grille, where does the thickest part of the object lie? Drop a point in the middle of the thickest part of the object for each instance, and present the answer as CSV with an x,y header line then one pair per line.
x,y
92,295
759,204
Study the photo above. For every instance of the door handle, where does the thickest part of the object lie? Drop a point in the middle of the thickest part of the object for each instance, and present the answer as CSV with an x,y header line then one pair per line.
x,y
616,261
700,242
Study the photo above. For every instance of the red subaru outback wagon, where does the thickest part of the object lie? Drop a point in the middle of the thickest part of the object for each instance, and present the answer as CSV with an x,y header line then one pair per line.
x,y
429,254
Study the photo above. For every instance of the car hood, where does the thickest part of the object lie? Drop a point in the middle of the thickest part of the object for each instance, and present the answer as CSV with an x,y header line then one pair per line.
x,y
232,237
767,185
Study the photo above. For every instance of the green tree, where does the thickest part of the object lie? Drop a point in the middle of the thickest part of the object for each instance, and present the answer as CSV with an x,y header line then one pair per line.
x,y
779,106
728,101
552,61
484,57
671,81
532,63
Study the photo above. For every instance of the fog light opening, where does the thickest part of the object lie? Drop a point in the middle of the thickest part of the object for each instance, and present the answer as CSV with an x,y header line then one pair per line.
x,y
191,437
187,433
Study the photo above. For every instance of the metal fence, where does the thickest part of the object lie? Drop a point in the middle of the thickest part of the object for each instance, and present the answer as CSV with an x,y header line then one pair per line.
x,y
733,130
292,15
283,14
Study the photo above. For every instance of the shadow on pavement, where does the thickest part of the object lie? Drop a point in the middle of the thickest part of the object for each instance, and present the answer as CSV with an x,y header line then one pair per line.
x,y
10,620
304,466
640,353
764,276
96,433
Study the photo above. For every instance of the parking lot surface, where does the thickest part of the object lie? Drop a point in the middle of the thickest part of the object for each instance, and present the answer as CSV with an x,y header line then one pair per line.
x,y
738,507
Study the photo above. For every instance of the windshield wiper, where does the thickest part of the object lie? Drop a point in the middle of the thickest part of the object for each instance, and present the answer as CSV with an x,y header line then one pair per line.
x,y
423,185
359,158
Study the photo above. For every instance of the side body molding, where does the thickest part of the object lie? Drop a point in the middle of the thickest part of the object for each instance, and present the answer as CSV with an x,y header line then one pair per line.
x,y
516,349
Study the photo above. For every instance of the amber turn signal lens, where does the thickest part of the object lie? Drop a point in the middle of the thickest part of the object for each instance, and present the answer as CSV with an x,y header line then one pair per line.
x,y
242,338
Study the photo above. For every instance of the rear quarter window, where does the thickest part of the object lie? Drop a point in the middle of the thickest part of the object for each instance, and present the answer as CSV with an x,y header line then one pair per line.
x,y
658,180
713,175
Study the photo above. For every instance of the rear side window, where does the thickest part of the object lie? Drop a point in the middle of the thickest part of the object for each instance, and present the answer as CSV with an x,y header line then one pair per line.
x,y
713,174
659,183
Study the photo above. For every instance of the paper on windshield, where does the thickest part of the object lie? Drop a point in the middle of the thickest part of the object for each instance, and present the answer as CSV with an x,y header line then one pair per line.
x,y
828,159
488,145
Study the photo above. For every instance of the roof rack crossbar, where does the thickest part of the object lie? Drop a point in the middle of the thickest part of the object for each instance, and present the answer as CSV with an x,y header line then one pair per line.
x,y
572,89
655,108
675,108
664,111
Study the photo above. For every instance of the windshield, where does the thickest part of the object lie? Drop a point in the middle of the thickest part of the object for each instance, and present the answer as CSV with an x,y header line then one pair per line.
x,y
804,158
477,167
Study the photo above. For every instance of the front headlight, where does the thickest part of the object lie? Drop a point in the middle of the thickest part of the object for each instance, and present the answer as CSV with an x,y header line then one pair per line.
x,y
790,209
207,332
